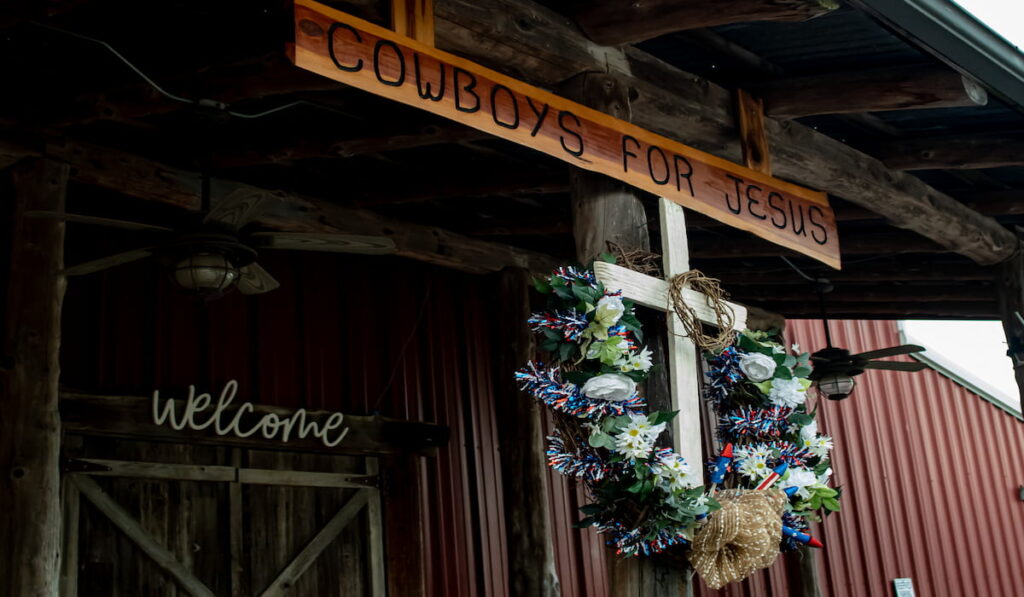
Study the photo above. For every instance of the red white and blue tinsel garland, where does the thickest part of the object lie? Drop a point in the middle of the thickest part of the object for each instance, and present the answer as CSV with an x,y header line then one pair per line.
x,y
642,497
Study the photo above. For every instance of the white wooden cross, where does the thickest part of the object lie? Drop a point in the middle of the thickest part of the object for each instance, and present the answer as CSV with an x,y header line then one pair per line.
x,y
647,291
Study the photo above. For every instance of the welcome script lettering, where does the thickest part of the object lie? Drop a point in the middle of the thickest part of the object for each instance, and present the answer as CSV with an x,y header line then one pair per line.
x,y
361,54
194,415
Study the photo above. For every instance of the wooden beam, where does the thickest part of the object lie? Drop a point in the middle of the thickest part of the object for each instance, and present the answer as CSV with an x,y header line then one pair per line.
x,y
1010,294
130,417
901,88
143,178
604,209
418,191
900,310
29,375
544,48
866,294
414,18
611,22
1008,202
307,149
265,76
974,152
913,270
753,138
531,554
892,243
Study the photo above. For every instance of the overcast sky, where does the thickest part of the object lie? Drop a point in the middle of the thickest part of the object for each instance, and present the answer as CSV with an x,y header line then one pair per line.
x,y
1006,17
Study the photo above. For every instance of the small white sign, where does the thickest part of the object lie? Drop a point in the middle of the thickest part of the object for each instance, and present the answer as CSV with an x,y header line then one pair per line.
x,y
270,425
904,587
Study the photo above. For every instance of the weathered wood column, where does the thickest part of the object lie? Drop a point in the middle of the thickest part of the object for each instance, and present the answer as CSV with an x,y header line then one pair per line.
x,y
606,210
531,552
29,422
1010,286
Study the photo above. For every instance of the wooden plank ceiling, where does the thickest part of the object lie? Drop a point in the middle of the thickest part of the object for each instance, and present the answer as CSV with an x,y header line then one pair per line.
x,y
837,74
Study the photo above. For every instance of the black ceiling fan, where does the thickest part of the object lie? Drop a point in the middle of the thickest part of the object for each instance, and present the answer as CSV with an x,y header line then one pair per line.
x,y
835,368
209,252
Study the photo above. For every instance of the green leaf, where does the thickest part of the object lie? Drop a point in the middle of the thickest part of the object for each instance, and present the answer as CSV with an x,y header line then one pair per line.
x,y
592,509
586,522
549,346
635,487
830,504
764,386
783,373
790,361
607,257
800,419
565,352
597,439
780,359
542,285
662,417
802,371
577,377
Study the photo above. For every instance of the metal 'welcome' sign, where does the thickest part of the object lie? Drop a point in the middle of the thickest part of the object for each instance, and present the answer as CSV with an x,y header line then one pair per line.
x,y
223,419
364,55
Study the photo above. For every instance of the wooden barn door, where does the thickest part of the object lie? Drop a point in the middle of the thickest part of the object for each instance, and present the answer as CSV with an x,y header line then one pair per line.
x,y
148,519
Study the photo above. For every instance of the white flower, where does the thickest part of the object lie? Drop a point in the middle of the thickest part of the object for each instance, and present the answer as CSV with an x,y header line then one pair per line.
x,y
673,474
754,468
796,348
801,478
640,426
610,386
762,451
787,392
824,477
634,447
819,445
699,502
809,430
609,310
635,361
757,366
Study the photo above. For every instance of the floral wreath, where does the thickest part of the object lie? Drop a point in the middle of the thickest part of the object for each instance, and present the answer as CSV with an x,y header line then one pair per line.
x,y
645,497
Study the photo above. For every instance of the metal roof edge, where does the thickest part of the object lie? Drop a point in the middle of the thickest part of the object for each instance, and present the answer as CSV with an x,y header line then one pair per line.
x,y
956,37
944,368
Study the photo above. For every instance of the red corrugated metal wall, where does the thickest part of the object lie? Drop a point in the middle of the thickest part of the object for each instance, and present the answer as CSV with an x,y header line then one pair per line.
x,y
930,470
930,474
351,334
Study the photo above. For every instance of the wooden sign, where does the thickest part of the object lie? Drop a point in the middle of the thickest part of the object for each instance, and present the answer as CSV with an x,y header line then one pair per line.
x,y
364,55
259,427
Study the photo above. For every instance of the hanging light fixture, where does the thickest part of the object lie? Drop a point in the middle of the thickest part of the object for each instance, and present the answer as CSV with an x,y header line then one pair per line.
x,y
205,273
836,385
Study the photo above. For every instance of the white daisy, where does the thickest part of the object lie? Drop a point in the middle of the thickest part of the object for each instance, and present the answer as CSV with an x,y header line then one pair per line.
x,y
754,468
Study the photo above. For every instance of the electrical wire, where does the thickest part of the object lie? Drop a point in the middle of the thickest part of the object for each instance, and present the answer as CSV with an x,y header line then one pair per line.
x,y
205,102
797,269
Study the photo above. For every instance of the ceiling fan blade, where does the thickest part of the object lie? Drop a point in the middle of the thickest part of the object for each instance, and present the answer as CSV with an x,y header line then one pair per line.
x,y
889,352
98,221
896,365
329,243
253,279
241,207
90,267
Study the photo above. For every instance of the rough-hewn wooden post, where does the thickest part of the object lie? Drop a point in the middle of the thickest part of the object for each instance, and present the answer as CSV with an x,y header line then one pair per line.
x,y
531,551
30,523
1010,286
606,210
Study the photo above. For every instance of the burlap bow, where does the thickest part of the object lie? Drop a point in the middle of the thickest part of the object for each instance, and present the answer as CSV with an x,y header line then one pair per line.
x,y
740,538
